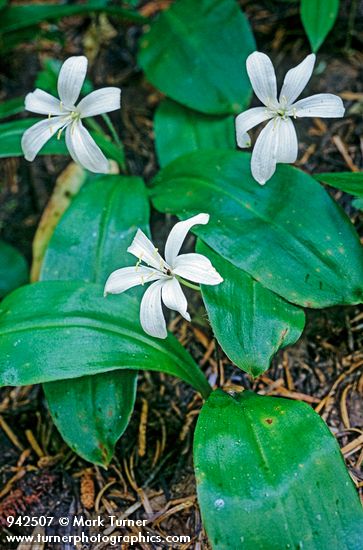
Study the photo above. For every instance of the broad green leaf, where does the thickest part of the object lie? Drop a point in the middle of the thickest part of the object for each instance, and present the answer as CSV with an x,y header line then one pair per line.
x,y
179,130
59,330
93,412
11,107
250,322
349,182
318,18
98,228
288,234
195,52
13,269
10,142
88,244
67,185
270,476
20,17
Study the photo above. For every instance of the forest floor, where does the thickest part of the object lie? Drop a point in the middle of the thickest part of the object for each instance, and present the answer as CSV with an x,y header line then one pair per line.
x,y
153,477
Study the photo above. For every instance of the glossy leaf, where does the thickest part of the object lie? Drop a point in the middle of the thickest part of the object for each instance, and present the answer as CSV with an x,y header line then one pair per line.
x,y
10,142
250,322
97,228
93,412
179,130
349,182
67,185
289,234
270,475
195,52
20,17
59,330
318,18
13,269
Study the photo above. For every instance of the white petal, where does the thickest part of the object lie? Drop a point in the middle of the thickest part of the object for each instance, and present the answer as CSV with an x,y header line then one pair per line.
x,y
262,77
263,163
144,250
128,277
319,105
287,146
84,150
151,311
178,233
197,268
247,120
43,103
71,78
100,101
296,79
37,135
174,298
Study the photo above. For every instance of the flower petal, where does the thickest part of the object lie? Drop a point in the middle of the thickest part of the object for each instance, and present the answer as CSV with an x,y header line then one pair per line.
x,y
43,103
262,77
174,298
263,163
37,135
247,120
128,277
178,233
71,78
84,150
100,101
319,105
287,146
144,250
151,311
197,268
296,79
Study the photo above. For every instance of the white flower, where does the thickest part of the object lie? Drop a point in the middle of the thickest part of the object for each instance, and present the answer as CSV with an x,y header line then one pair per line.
x,y
64,115
166,274
277,142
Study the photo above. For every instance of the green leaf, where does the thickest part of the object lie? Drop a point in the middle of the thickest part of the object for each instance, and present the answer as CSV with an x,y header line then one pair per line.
x,y
93,412
20,17
270,476
318,18
250,322
13,269
196,52
179,130
11,134
97,228
289,234
59,330
349,182
11,107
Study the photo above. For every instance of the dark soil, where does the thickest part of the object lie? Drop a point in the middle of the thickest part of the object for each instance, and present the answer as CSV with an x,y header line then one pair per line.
x,y
160,485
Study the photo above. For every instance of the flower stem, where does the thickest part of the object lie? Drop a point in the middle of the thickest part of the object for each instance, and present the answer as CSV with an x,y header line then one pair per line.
x,y
188,284
112,129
